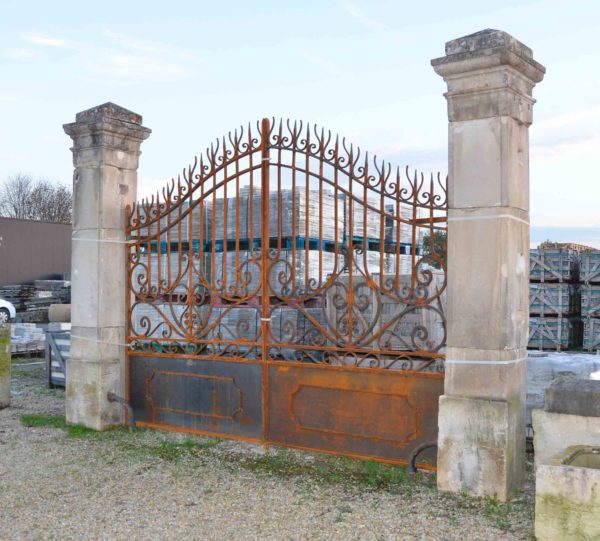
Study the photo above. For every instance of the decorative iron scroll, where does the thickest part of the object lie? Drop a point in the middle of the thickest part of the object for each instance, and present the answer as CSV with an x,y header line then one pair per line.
x,y
287,243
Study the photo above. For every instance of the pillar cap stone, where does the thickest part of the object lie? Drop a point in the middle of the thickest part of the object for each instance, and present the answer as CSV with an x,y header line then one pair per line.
x,y
108,118
487,49
108,110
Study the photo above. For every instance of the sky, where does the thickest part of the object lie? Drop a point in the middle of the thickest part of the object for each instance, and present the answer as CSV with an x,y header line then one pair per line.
x,y
196,70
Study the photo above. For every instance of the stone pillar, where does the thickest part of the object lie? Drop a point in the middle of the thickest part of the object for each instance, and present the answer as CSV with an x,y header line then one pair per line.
x,y
481,444
5,366
106,148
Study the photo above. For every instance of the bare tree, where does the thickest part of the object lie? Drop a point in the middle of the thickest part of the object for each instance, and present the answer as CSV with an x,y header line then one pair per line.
x,y
22,197
14,196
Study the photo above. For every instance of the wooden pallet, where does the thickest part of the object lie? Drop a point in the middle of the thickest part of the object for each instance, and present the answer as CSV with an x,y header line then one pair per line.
x,y
591,333
550,333
553,265
553,299
590,267
58,352
590,300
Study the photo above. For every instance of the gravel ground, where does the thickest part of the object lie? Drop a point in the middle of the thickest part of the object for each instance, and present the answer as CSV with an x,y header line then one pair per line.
x,y
61,483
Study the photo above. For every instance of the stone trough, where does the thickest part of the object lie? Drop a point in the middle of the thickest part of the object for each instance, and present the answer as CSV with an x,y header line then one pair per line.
x,y
567,443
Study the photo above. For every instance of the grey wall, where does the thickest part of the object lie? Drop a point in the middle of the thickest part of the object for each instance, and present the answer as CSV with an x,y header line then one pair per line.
x,y
31,250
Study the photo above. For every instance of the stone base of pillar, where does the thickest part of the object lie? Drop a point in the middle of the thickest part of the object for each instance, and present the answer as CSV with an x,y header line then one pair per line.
x,y
88,383
481,446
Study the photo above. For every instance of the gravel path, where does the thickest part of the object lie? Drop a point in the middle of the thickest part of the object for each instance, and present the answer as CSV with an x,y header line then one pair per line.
x,y
156,485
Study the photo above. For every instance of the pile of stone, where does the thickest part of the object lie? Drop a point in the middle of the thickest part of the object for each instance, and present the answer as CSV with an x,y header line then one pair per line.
x,y
18,295
32,301
307,216
27,339
564,297
590,299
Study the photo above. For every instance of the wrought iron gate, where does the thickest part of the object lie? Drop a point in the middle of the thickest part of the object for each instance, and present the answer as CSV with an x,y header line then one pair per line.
x,y
287,288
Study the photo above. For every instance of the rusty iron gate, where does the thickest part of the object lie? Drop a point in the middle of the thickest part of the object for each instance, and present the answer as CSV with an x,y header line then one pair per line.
x,y
289,289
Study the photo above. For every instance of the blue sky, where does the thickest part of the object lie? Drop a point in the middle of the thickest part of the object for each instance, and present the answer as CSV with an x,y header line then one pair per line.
x,y
196,70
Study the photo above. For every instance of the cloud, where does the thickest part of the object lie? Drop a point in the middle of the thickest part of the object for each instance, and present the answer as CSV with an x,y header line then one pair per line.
x,y
322,63
562,120
142,46
20,54
126,60
359,15
568,146
44,41
122,67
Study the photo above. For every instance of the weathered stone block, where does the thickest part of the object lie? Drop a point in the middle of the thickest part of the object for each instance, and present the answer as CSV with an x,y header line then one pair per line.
x,y
574,396
567,500
481,446
87,385
488,292
553,432
491,148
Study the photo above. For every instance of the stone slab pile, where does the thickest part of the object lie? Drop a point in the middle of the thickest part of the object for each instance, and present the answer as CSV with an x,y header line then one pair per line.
x,y
32,301
590,299
27,339
564,298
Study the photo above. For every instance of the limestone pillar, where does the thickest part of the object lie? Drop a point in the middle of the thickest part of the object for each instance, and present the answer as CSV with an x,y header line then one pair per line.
x,y
481,445
5,365
106,148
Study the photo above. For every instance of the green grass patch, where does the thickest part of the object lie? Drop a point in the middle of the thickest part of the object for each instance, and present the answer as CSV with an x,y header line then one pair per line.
x,y
332,470
58,421
138,443
43,421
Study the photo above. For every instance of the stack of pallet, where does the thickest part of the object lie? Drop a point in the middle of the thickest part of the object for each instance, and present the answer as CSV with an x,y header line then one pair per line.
x,y
32,301
312,235
26,339
590,299
553,298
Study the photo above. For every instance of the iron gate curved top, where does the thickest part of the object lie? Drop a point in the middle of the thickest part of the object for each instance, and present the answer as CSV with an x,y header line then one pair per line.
x,y
284,242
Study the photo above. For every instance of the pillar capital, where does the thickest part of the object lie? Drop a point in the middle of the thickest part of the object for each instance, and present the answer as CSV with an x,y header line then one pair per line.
x,y
489,74
107,127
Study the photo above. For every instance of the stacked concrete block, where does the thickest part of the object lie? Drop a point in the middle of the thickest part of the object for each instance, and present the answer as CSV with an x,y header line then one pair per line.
x,y
234,217
381,322
408,213
590,312
174,226
314,219
590,267
363,221
231,331
590,299
26,339
554,298
295,327
545,299
553,265
303,216
167,273
551,333
241,274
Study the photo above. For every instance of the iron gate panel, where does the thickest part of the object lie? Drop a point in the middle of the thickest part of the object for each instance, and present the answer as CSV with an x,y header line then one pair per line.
x,y
209,396
284,256
387,415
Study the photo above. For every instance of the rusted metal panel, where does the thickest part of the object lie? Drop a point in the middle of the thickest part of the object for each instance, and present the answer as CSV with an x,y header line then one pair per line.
x,y
373,414
203,396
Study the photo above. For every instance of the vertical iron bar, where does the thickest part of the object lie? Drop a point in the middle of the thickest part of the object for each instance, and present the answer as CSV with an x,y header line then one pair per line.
x,y
264,243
